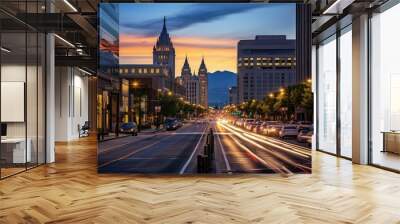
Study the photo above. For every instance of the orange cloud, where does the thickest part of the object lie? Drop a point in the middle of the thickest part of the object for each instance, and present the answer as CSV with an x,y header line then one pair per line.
x,y
219,53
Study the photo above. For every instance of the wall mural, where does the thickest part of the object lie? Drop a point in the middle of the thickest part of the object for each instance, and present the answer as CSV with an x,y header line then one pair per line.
x,y
157,64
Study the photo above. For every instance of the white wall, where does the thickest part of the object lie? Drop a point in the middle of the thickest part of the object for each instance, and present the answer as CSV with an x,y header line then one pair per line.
x,y
71,102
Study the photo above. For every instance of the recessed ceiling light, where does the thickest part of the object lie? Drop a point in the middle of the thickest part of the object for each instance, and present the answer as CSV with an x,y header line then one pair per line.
x,y
64,40
5,50
84,71
70,5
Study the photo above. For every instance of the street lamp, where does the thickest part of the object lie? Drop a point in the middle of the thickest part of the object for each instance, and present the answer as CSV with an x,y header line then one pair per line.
x,y
136,85
169,93
282,90
271,95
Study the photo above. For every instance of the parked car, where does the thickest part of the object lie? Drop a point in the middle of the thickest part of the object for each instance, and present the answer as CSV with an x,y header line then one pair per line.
x,y
304,135
288,131
172,124
129,127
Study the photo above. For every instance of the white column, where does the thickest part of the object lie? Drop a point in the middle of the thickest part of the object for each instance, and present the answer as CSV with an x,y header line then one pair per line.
x,y
50,98
360,90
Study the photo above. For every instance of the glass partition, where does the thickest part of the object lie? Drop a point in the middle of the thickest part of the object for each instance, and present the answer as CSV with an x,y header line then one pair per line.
x,y
385,89
22,77
346,92
327,96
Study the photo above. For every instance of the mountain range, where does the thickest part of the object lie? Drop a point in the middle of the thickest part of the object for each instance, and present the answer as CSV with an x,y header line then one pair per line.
x,y
218,86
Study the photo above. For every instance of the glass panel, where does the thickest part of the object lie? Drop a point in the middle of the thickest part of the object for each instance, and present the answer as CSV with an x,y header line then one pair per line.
x,y
31,98
41,98
327,96
346,93
385,89
13,86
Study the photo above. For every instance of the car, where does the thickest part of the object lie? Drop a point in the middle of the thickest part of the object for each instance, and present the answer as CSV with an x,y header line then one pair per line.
x,y
255,126
145,125
260,128
172,124
247,122
304,124
288,131
129,128
239,122
304,135
271,128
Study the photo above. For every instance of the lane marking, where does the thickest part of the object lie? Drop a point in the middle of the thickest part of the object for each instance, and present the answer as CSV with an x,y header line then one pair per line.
x,y
142,136
128,155
194,151
195,133
227,165
136,139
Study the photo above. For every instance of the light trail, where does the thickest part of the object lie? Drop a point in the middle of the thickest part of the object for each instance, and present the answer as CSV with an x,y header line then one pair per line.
x,y
274,165
273,142
251,139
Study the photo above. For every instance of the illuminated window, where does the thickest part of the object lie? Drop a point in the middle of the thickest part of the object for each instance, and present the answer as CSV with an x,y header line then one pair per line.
x,y
140,71
152,70
157,70
132,70
126,71
145,70
120,71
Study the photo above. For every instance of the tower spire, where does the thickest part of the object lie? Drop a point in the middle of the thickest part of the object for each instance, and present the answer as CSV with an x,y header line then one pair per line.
x,y
202,64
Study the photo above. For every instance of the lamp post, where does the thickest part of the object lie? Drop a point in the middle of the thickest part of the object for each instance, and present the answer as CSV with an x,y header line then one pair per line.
x,y
135,85
158,109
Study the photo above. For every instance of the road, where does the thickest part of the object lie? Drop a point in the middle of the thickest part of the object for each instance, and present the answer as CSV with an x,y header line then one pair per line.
x,y
163,152
175,152
246,152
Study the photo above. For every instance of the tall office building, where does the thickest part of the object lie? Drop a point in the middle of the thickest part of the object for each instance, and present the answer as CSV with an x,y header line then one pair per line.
x,y
303,42
191,83
203,84
265,65
164,54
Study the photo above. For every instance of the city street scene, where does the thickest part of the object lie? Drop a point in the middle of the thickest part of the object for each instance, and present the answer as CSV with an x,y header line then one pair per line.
x,y
202,89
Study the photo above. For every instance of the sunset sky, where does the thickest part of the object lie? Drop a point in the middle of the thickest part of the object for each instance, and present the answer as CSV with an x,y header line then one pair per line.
x,y
196,30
